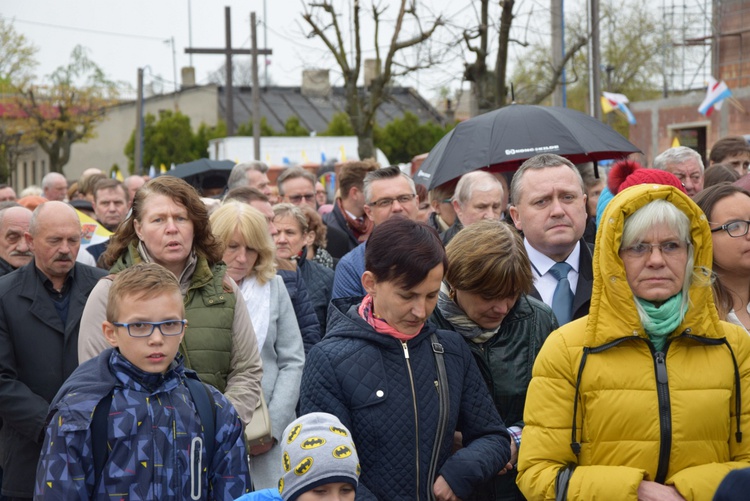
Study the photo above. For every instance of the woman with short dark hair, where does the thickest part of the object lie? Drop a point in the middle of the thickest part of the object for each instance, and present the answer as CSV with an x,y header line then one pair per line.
x,y
401,386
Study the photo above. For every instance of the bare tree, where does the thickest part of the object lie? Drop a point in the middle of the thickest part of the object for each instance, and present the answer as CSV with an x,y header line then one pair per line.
x,y
490,88
362,103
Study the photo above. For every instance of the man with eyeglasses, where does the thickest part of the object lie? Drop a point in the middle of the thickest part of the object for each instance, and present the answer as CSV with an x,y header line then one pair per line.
x,y
40,314
297,187
388,193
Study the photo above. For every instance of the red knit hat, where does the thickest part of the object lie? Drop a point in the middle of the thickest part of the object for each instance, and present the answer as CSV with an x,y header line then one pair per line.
x,y
627,173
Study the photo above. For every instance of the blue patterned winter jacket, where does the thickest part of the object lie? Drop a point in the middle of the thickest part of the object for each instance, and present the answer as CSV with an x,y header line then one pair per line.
x,y
153,434
385,392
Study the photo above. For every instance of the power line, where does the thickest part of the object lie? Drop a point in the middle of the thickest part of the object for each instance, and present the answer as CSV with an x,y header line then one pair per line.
x,y
98,32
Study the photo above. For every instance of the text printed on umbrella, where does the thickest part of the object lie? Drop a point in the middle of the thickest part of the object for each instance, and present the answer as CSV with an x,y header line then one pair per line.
x,y
538,149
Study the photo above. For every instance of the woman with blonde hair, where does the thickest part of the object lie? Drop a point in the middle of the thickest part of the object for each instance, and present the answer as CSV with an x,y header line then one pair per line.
x,y
484,297
249,256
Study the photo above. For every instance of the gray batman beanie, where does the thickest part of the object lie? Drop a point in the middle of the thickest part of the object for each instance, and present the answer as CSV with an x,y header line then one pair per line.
x,y
316,450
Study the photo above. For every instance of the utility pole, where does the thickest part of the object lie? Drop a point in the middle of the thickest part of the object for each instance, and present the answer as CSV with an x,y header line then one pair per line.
x,y
595,105
558,49
138,157
256,88
228,51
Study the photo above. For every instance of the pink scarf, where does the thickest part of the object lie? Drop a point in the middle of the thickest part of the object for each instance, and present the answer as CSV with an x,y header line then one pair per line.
x,y
380,325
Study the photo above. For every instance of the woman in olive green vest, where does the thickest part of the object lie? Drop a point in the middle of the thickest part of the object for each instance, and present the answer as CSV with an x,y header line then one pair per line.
x,y
169,225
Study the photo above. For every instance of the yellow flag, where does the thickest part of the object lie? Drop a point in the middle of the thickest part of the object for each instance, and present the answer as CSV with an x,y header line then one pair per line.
x,y
606,105
675,142
343,153
118,175
162,168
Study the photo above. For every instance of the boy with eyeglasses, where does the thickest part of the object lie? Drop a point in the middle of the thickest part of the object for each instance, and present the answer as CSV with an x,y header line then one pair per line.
x,y
158,432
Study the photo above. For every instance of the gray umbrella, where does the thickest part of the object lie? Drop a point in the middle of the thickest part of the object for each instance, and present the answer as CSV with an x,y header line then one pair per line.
x,y
502,139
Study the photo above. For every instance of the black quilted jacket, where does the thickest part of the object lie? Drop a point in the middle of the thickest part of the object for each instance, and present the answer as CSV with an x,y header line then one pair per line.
x,y
365,379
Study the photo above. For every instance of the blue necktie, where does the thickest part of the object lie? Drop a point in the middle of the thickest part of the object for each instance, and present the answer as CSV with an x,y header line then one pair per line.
x,y
562,300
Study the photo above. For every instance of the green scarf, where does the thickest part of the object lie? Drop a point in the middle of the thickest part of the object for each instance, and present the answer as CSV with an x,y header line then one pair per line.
x,y
662,320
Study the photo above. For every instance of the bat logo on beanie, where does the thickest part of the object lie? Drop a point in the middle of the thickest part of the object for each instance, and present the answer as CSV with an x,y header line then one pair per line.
x,y
293,433
339,431
341,452
313,442
304,466
318,450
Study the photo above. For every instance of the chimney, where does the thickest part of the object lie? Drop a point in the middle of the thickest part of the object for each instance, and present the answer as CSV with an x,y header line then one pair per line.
x,y
188,77
316,83
372,70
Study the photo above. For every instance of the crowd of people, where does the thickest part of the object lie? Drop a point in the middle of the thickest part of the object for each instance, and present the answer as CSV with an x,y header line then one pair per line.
x,y
550,334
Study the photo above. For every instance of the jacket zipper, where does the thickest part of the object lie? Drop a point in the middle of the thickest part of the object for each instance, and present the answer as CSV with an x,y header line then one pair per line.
x,y
665,416
414,401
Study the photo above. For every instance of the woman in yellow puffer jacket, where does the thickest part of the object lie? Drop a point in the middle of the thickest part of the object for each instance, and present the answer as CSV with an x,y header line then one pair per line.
x,y
642,398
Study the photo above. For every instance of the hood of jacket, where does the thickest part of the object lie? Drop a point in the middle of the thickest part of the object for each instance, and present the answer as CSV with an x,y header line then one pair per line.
x,y
612,302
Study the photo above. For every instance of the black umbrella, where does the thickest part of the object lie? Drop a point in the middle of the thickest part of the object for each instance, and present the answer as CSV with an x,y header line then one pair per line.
x,y
501,140
203,169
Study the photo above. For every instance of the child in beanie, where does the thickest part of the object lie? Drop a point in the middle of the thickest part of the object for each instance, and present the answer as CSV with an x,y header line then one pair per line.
x,y
318,458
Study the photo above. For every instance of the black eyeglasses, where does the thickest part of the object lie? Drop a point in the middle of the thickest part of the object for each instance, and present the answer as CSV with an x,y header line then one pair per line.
x,y
145,329
295,199
384,203
735,229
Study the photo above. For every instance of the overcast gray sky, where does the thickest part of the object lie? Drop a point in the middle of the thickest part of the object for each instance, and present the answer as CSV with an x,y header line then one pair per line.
x,y
123,36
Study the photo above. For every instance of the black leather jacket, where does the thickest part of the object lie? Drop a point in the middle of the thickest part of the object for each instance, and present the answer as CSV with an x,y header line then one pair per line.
x,y
505,361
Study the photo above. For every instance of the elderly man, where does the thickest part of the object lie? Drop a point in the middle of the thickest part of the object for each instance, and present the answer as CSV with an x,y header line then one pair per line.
x,y
252,174
734,152
479,195
7,193
133,183
686,164
348,214
388,192
297,186
54,186
40,314
14,250
549,206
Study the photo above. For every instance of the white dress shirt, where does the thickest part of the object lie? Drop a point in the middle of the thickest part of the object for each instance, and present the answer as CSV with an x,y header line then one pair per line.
x,y
544,281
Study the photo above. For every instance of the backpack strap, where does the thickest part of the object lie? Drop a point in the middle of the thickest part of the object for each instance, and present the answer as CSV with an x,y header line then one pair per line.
x,y
99,446
206,406
204,403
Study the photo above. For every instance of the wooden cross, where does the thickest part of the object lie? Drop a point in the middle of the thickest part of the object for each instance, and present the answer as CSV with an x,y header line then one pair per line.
x,y
228,51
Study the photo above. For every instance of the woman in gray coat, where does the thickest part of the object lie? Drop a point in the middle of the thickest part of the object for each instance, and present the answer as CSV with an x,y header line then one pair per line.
x,y
249,256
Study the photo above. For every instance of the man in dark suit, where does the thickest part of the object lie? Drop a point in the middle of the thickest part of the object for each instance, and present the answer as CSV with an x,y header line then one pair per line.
x,y
40,313
549,206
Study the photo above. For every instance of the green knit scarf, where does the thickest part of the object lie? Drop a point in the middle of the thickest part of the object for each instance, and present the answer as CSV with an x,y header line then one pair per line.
x,y
662,320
